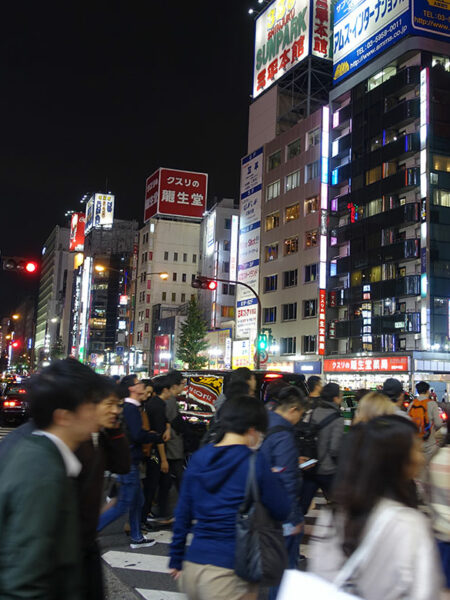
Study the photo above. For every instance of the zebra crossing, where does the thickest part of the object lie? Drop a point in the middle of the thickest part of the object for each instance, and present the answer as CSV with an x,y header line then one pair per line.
x,y
4,432
146,570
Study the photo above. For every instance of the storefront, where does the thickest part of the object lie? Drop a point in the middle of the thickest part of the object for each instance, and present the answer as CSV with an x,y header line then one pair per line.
x,y
367,372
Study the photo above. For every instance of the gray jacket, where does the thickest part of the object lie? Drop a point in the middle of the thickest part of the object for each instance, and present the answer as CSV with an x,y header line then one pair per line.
x,y
330,437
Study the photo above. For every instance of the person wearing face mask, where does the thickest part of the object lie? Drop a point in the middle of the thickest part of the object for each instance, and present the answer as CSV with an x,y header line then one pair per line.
x,y
280,450
212,492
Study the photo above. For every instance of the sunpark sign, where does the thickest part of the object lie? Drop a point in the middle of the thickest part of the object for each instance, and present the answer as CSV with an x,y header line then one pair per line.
x,y
365,28
286,33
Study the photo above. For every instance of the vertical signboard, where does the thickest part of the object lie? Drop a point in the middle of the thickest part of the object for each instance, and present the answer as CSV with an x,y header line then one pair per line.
x,y
210,233
249,244
151,196
76,243
99,212
162,353
234,246
322,324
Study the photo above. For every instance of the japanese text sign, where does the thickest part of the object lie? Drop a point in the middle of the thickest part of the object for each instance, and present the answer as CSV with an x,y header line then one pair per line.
x,y
365,365
176,193
322,323
99,212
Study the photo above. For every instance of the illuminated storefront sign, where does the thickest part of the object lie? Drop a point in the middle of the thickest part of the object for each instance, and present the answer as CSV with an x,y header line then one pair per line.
x,y
350,365
322,324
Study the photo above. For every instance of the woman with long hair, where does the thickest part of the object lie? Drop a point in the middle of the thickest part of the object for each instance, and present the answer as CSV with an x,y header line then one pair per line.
x,y
373,492
371,405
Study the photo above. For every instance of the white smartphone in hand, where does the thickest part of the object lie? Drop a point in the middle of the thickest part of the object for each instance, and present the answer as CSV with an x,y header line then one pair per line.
x,y
309,463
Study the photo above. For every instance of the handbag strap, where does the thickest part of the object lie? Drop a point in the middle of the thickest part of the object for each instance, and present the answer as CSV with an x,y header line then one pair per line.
x,y
366,547
251,486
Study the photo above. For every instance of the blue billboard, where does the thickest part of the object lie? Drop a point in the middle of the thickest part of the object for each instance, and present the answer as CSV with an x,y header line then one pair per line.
x,y
365,28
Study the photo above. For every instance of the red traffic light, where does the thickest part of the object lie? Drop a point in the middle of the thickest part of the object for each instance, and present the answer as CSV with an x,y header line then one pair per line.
x,y
204,283
212,285
30,267
15,344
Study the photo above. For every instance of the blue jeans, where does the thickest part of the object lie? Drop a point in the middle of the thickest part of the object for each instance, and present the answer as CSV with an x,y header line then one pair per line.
x,y
444,551
293,548
130,499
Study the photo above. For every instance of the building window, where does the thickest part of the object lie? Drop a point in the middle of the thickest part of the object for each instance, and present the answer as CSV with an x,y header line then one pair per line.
x,y
175,256
292,181
311,205
174,276
311,171
311,273
271,252
313,137
183,297
226,266
231,290
311,238
291,245
226,245
184,257
290,278
193,297
164,296
193,276
273,221
292,212
309,308
194,258
174,297
274,160
380,77
227,312
225,289
270,283
166,255
288,345
289,311
273,190
147,313
146,327
293,149
309,344
443,61
183,277
270,314
373,175
374,207
441,163
227,224
441,198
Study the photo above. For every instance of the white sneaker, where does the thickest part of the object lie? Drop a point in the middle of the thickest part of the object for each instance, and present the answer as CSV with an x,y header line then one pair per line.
x,y
145,542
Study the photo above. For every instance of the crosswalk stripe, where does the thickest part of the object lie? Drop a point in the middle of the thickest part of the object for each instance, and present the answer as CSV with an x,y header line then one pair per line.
x,y
160,595
135,561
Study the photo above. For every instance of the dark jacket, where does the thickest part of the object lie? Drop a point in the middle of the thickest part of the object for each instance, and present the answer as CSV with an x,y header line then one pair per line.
x,y
112,453
330,437
280,450
40,554
212,491
136,434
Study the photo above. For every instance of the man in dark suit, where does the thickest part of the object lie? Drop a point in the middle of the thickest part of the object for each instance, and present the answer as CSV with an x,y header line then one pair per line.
x,y
40,554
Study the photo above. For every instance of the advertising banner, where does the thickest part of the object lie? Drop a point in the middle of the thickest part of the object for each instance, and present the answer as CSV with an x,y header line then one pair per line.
x,y
242,354
176,193
373,365
76,243
162,349
322,323
249,244
365,28
234,247
99,212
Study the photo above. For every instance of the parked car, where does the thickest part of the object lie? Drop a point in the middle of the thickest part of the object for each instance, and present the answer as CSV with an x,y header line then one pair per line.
x,y
14,407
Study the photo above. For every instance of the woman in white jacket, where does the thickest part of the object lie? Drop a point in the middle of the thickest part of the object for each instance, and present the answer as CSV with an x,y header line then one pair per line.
x,y
375,476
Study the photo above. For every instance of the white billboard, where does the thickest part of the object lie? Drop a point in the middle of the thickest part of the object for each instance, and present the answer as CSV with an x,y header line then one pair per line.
x,y
99,212
234,247
249,244
210,233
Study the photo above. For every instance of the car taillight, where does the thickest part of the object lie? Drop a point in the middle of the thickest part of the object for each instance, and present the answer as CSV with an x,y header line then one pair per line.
x,y
444,416
273,376
11,403
21,391
406,404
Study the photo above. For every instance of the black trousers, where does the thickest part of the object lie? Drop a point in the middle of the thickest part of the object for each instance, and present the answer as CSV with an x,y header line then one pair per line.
x,y
176,470
311,483
155,480
92,571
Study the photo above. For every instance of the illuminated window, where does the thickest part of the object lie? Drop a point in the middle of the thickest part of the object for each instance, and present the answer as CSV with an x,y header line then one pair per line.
x,y
441,198
271,252
291,245
274,160
311,239
273,221
309,308
292,181
227,312
313,137
292,212
441,163
389,168
293,149
442,62
311,205
356,278
374,207
311,273
381,77
273,190
375,274
311,171
373,175
288,345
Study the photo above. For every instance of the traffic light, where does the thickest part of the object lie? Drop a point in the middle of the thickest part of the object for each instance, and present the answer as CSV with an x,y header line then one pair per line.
x,y
204,283
19,265
262,343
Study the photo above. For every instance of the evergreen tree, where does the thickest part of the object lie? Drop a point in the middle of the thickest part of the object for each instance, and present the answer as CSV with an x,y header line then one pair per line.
x,y
192,338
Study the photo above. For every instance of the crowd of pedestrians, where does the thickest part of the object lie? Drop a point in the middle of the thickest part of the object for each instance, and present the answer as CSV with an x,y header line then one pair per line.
x,y
386,481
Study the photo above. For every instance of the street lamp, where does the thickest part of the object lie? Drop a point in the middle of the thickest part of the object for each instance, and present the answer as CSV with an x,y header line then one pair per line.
x,y
101,269
15,317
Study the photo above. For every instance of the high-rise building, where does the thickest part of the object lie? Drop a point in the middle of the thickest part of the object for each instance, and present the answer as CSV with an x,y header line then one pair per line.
x,y
52,290
388,290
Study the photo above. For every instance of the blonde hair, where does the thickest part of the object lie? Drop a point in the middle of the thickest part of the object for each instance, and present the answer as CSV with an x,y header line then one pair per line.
x,y
373,404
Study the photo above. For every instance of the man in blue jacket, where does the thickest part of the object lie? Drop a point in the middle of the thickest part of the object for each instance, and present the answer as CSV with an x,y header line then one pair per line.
x,y
131,496
280,450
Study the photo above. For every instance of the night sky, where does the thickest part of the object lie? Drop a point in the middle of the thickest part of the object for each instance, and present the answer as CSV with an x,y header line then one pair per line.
x,y
113,92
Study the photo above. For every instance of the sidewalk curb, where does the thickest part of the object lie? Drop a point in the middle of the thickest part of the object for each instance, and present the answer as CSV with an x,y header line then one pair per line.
x,y
115,589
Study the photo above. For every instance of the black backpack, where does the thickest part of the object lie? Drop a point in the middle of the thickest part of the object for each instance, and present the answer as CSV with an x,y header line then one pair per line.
x,y
307,434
